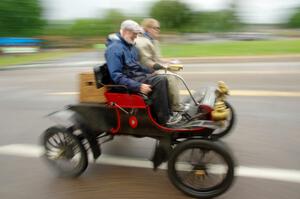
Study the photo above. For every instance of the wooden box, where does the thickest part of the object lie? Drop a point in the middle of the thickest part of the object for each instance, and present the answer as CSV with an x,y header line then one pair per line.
x,y
88,90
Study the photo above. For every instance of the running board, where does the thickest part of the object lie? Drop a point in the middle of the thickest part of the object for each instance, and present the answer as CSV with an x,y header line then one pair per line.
x,y
203,123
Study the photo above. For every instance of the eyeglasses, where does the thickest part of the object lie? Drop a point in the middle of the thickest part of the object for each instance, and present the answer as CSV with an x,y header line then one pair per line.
x,y
157,28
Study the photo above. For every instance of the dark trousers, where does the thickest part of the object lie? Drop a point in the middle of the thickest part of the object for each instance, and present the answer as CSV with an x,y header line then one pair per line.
x,y
159,97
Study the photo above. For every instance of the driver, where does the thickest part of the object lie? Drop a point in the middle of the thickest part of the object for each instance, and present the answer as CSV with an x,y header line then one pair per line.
x,y
149,55
122,59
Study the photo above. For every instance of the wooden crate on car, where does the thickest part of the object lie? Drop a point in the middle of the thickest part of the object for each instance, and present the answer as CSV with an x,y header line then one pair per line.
x,y
89,93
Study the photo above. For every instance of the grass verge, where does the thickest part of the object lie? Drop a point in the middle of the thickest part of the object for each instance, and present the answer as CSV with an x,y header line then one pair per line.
x,y
232,48
6,60
228,48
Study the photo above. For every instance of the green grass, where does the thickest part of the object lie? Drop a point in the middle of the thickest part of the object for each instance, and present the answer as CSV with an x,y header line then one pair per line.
x,y
6,60
229,48
232,48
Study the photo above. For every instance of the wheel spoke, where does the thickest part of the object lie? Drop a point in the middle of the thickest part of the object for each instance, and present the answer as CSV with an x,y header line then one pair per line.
x,y
62,137
52,142
75,149
50,145
57,139
64,152
207,168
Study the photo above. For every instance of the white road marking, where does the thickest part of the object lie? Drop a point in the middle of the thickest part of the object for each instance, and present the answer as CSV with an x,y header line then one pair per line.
x,y
59,64
270,173
89,63
254,72
262,93
240,65
255,93
63,93
252,93
287,175
22,150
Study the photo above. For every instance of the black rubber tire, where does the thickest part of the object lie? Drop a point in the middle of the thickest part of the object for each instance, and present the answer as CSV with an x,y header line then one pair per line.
x,y
210,192
221,133
58,137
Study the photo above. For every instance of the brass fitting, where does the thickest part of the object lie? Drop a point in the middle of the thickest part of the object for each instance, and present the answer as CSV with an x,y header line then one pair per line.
x,y
223,88
220,111
200,172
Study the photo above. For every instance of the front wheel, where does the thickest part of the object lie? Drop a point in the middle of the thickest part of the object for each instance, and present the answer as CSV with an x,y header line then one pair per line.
x,y
201,169
228,125
64,152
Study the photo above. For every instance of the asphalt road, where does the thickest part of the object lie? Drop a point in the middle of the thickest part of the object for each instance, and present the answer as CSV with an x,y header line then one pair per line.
x,y
266,139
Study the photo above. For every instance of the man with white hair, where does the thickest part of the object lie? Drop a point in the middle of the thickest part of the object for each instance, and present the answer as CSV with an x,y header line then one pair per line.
x,y
125,69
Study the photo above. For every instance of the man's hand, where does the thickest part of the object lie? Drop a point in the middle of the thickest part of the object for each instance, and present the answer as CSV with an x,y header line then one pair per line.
x,y
158,66
145,88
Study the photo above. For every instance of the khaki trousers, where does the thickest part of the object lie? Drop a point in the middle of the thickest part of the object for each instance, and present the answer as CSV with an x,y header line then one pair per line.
x,y
173,90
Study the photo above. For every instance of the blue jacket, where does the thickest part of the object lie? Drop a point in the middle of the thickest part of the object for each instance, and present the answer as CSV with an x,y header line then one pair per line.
x,y
123,65
111,38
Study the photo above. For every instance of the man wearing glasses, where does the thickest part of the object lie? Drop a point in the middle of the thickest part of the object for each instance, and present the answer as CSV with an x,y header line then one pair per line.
x,y
149,55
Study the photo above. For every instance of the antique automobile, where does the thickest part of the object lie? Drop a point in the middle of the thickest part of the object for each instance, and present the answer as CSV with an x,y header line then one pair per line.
x,y
198,163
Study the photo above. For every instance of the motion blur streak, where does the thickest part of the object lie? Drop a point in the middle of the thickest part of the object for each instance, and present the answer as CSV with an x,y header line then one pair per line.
x,y
253,93
26,150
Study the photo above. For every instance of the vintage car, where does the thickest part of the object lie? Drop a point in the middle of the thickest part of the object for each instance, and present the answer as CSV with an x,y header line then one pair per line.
x,y
198,163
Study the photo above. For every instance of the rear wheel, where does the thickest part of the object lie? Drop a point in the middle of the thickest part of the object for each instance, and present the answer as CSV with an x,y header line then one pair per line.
x,y
64,152
201,169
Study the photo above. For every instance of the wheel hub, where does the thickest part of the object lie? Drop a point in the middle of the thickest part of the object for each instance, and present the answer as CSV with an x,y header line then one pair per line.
x,y
200,170
68,152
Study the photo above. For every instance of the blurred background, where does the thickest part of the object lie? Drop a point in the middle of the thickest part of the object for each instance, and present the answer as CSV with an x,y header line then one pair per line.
x,y
253,45
84,24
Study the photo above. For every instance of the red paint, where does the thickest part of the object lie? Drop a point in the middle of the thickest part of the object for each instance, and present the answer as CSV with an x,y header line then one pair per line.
x,y
115,130
133,122
206,109
136,101
125,100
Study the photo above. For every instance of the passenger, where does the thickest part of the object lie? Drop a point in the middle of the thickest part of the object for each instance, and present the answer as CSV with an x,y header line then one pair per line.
x,y
149,55
122,59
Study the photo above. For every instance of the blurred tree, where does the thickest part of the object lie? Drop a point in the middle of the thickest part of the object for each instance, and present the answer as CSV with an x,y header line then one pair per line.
x,y
294,21
84,27
217,21
97,27
20,18
114,16
89,27
172,14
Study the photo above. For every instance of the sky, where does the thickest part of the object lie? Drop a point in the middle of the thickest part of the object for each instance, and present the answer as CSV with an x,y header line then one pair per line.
x,y
249,11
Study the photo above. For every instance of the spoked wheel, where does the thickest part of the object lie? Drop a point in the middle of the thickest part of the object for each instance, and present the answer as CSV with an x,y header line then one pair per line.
x,y
201,169
64,152
228,124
